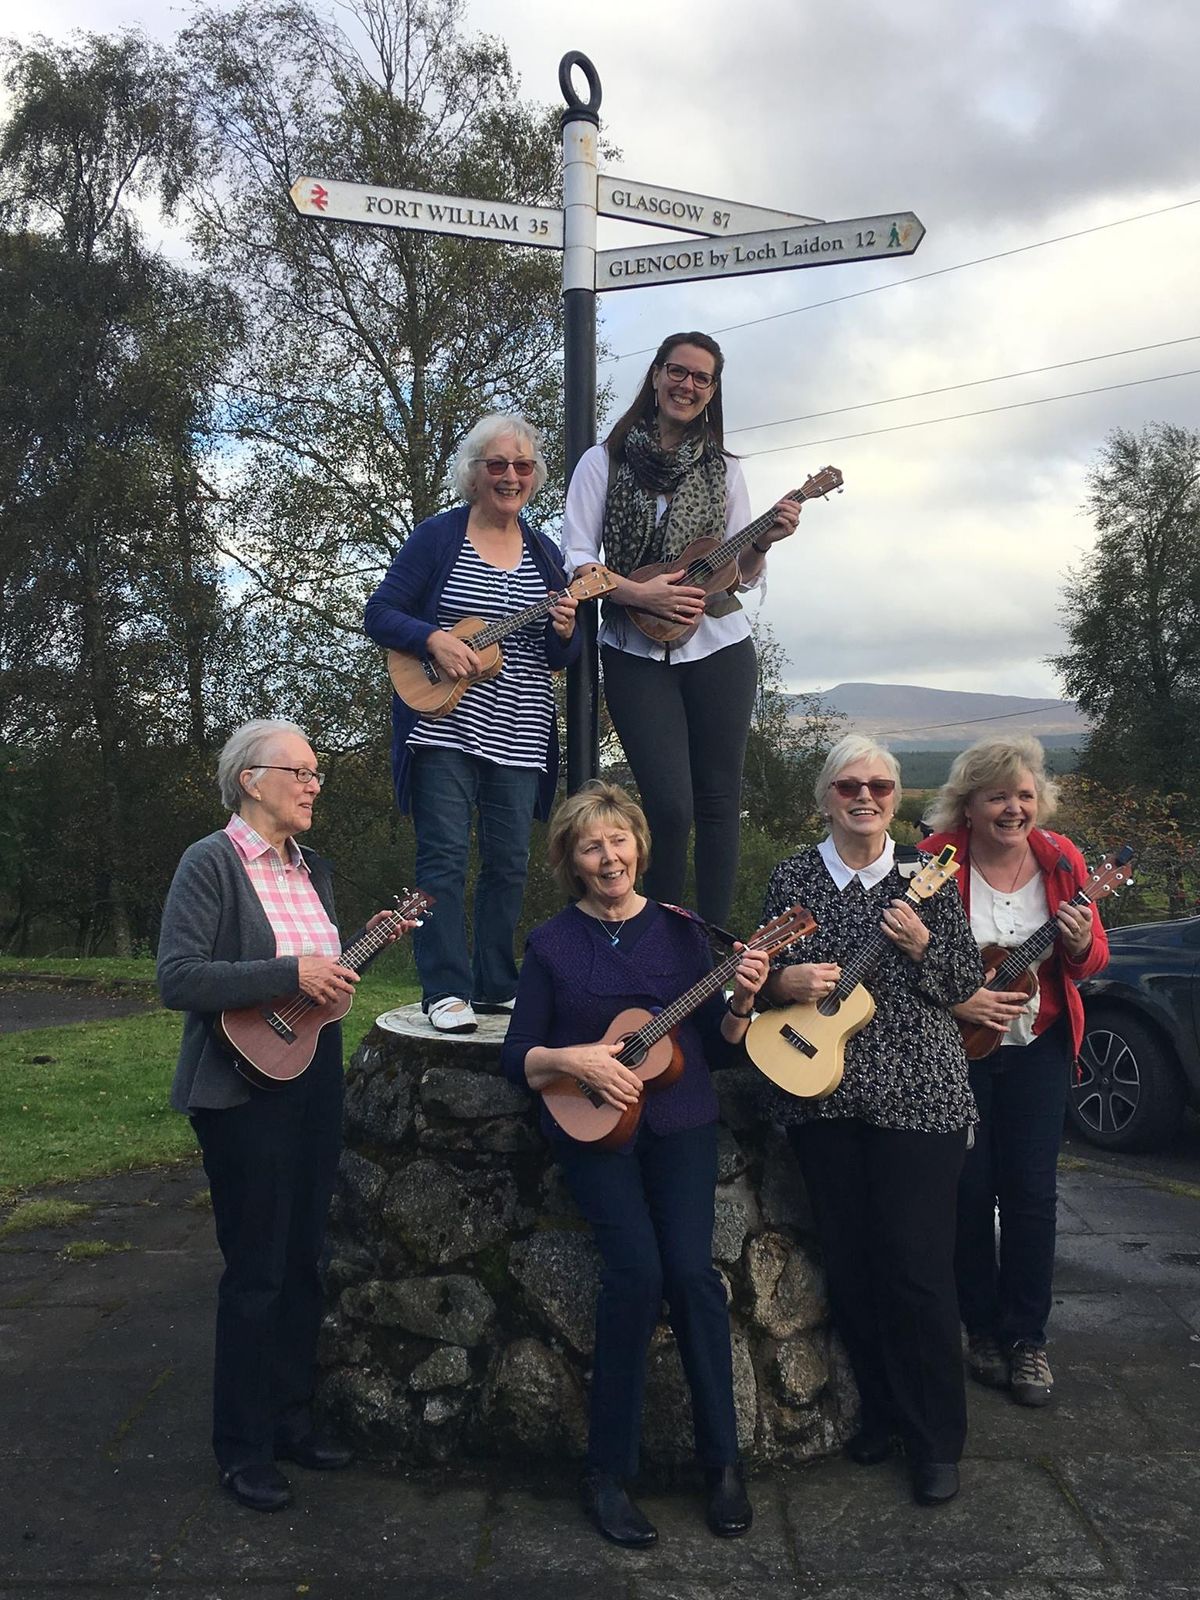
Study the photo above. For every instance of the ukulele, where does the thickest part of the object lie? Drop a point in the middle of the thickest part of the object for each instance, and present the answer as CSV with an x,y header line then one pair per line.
x,y
711,563
651,1047
802,1047
418,680
1014,969
274,1042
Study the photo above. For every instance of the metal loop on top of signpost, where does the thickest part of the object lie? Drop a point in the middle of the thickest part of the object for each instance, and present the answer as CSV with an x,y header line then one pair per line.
x,y
577,108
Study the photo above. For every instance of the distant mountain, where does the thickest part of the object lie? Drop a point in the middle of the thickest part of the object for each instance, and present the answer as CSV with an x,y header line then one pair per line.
x,y
911,718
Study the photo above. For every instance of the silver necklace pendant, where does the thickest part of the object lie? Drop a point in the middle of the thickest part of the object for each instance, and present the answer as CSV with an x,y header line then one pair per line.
x,y
614,938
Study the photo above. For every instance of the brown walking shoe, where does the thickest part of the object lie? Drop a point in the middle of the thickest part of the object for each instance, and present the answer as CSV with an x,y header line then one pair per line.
x,y
1030,1378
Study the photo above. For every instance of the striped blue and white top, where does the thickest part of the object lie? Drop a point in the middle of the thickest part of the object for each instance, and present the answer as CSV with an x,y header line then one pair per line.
x,y
507,719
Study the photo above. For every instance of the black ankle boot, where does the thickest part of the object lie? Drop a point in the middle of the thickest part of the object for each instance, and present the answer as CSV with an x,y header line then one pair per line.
x,y
607,1502
729,1510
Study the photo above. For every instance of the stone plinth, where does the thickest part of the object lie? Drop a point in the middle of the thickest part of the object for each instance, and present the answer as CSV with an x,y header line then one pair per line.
x,y
462,1280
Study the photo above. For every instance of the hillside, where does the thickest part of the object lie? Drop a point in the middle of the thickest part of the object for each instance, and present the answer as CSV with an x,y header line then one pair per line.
x,y
912,718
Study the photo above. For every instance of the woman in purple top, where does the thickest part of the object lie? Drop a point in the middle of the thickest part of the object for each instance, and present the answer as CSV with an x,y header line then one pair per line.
x,y
651,1202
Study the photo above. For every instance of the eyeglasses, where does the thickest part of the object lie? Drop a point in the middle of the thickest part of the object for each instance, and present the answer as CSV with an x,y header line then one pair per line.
x,y
497,466
301,774
676,373
849,788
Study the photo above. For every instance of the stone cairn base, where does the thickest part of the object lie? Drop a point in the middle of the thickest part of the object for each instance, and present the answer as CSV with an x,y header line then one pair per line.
x,y
462,1280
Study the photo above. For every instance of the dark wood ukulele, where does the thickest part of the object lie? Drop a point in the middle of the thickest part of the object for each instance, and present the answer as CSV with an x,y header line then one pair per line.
x,y
651,1048
1014,969
275,1042
711,563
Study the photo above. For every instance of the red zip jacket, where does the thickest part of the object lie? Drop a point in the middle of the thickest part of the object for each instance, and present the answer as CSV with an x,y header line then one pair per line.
x,y
1064,873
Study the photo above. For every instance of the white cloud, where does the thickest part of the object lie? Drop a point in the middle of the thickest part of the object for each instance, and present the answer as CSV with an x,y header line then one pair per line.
x,y
1000,126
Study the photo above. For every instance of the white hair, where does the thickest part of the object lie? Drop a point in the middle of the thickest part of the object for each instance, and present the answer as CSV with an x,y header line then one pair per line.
x,y
243,751
483,436
853,747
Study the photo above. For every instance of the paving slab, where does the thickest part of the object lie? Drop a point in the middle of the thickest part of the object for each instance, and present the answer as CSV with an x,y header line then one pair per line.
x,y
109,1488
1010,1520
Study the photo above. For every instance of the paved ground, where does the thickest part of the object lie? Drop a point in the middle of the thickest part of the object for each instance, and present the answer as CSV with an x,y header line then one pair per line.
x,y
23,1009
108,1489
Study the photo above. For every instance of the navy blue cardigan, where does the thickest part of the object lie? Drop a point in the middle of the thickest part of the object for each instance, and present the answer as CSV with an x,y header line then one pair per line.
x,y
402,613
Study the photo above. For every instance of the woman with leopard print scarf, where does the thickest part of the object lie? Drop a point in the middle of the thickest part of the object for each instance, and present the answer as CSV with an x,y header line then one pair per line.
x,y
682,711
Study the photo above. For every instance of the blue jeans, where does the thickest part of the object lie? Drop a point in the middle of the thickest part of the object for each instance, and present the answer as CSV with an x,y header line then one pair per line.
x,y
651,1212
1021,1093
448,786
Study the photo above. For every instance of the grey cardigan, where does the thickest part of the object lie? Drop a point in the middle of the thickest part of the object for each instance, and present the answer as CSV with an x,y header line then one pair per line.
x,y
216,952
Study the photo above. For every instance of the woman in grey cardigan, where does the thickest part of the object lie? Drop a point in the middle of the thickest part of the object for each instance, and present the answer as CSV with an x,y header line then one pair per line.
x,y
250,916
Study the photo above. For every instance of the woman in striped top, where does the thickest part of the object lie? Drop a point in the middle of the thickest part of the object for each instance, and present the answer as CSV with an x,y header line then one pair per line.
x,y
496,754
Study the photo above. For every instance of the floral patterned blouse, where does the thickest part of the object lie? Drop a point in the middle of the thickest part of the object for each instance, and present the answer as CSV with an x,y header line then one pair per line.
x,y
907,1068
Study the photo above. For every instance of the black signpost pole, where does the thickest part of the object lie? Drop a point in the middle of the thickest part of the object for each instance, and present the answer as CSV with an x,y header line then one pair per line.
x,y
580,127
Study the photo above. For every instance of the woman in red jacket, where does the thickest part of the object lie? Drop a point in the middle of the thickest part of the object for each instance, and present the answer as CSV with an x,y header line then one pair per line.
x,y
1016,876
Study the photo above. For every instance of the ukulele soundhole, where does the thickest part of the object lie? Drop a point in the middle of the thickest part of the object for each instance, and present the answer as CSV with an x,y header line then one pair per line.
x,y
830,1006
633,1054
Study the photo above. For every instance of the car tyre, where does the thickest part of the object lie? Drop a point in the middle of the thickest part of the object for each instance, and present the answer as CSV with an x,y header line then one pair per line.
x,y
1127,1092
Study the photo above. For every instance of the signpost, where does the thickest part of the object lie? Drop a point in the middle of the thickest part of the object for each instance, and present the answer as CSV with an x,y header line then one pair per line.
x,y
748,239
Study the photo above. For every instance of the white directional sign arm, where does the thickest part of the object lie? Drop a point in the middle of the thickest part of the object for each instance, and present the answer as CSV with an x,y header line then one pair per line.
x,y
821,244
329,199
661,207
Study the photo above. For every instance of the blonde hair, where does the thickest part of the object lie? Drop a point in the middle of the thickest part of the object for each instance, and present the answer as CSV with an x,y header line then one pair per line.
x,y
853,747
596,801
985,764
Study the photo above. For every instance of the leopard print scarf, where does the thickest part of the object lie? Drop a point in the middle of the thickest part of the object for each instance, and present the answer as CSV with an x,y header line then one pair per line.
x,y
694,478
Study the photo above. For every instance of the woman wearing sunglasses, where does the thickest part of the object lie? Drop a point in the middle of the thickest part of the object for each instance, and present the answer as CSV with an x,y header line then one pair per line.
x,y
882,1154
496,754
682,711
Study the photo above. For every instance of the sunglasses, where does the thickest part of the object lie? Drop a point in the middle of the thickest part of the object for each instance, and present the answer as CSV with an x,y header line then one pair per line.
x,y
497,466
850,788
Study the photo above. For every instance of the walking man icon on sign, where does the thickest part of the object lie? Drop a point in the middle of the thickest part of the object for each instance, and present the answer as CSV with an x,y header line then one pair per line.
x,y
894,240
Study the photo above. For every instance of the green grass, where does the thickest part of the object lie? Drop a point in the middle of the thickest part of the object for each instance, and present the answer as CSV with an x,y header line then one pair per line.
x,y
95,968
100,1104
34,1214
92,1249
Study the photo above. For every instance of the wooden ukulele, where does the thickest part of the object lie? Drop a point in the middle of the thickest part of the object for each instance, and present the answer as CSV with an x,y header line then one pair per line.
x,y
275,1042
651,1047
418,680
711,563
1014,969
802,1047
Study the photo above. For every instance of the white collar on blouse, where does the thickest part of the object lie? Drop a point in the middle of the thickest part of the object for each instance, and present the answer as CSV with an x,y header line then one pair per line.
x,y
867,876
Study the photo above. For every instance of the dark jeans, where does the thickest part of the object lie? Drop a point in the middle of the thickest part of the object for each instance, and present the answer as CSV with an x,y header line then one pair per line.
x,y
683,728
1021,1093
271,1165
448,787
651,1212
883,1200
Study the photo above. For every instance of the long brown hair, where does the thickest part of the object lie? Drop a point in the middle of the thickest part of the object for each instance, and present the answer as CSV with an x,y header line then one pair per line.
x,y
710,421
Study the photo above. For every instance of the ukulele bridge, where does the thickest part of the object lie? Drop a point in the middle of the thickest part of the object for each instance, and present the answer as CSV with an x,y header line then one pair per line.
x,y
431,671
797,1040
277,1025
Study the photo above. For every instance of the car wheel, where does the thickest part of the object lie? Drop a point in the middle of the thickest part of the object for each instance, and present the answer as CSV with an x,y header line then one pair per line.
x,y
1127,1093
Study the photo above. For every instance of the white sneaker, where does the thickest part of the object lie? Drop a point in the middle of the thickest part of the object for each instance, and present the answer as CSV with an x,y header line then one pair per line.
x,y
452,1015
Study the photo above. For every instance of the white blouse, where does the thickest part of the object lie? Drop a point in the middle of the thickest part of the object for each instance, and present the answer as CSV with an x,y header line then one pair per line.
x,y
582,533
1008,917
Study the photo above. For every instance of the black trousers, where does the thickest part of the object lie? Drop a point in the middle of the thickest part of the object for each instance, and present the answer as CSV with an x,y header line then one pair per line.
x,y
651,1212
884,1203
271,1166
683,728
1021,1093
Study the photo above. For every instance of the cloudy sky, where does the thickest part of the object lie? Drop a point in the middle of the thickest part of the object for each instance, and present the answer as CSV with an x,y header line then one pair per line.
x,y
1004,127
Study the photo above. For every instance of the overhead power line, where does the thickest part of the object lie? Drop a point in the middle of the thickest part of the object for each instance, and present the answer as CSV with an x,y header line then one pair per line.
x,y
967,722
938,272
959,416
972,383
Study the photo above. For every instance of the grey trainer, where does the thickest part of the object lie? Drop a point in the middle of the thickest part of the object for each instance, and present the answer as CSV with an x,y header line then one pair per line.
x,y
1030,1378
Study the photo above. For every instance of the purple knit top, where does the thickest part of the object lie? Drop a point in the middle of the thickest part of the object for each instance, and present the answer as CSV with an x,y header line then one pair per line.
x,y
573,983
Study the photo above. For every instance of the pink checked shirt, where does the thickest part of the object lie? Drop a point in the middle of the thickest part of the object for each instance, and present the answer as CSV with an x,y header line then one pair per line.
x,y
298,919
